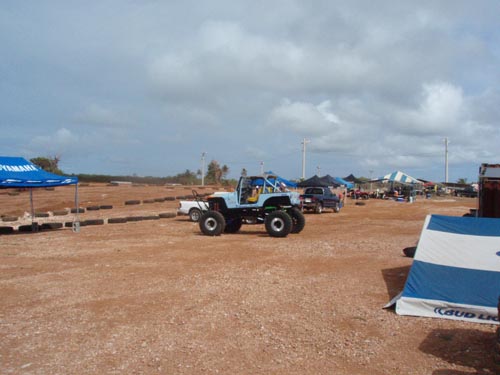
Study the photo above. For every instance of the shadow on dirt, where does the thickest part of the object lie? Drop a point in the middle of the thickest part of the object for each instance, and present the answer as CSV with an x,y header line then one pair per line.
x,y
463,347
395,279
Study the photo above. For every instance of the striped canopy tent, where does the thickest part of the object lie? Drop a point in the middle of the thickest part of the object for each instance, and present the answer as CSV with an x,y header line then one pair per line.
x,y
399,177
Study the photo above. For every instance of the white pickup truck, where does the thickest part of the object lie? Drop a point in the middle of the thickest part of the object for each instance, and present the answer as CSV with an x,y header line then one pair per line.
x,y
192,208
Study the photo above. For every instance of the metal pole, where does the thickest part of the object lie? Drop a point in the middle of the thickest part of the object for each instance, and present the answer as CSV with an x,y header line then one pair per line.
x,y
32,211
203,169
76,222
261,167
446,160
304,142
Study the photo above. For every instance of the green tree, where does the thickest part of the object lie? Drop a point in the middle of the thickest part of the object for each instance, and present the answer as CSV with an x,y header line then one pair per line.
x,y
462,181
215,173
48,164
186,178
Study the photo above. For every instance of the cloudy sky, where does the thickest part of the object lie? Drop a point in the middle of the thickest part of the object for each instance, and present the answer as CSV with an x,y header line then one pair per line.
x,y
145,87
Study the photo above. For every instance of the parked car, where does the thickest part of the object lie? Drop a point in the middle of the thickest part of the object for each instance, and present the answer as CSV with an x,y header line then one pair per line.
x,y
469,192
319,198
193,209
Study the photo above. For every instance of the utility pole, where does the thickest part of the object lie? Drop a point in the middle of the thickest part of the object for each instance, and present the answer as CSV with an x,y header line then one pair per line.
x,y
304,142
446,160
203,168
261,167
318,170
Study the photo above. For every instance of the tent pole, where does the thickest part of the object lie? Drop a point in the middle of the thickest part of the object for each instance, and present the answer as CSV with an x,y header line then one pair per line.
x,y
31,205
76,223
34,226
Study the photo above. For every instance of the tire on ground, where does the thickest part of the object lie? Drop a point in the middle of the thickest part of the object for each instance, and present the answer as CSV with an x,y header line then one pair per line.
x,y
298,220
60,212
212,223
166,215
10,218
135,218
94,222
278,224
233,225
28,228
151,217
132,202
195,214
69,224
117,220
6,230
106,207
45,226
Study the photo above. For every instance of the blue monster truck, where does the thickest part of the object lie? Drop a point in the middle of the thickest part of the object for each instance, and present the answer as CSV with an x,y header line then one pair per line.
x,y
257,199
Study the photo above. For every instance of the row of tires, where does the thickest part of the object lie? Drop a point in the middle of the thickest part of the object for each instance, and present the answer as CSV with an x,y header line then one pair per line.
x,y
36,227
277,223
82,210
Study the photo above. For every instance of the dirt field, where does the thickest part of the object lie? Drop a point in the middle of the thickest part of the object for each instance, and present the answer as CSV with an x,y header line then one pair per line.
x,y
157,297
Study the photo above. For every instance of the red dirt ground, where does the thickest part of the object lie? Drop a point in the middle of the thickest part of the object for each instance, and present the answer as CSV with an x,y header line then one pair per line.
x,y
157,297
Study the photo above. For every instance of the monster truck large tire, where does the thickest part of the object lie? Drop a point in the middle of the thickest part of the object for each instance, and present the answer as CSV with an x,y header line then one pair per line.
x,y
278,224
233,225
298,220
212,223
195,214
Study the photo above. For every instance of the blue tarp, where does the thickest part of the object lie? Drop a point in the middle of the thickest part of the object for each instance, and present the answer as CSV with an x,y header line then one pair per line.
x,y
16,172
283,180
341,181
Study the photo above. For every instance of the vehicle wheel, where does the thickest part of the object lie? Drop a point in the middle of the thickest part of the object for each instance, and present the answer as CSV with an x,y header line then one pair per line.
x,y
336,208
278,224
212,223
318,209
194,214
233,225
298,220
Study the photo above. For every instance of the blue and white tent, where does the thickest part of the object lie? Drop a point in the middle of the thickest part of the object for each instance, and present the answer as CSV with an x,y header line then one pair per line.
x,y
17,172
400,177
455,272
